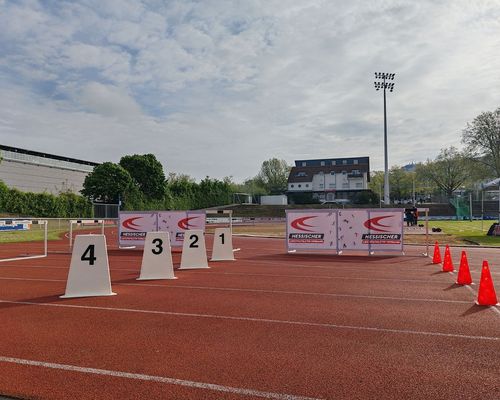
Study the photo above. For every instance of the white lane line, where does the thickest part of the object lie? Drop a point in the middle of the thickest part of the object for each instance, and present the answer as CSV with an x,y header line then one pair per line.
x,y
260,320
320,277
297,293
342,295
332,267
154,378
111,267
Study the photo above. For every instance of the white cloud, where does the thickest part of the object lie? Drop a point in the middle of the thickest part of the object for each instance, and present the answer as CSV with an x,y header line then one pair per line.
x,y
189,80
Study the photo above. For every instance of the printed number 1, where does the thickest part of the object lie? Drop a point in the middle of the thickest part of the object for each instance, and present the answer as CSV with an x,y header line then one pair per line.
x,y
88,255
222,237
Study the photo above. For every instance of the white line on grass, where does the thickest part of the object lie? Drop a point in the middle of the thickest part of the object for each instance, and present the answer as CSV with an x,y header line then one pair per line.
x,y
227,289
154,378
259,320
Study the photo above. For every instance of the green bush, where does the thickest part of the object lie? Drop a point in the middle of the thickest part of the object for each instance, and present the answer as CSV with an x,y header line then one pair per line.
x,y
27,204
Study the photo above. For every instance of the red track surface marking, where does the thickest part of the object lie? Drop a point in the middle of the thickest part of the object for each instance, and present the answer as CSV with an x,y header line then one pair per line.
x,y
306,325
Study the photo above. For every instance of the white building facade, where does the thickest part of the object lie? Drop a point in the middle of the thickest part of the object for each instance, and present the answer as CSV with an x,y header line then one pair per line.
x,y
32,171
330,179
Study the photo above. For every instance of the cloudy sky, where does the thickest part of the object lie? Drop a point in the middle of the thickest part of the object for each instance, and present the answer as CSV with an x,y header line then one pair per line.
x,y
215,87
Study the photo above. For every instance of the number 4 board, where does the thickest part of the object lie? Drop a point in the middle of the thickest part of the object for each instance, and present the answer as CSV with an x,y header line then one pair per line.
x,y
89,269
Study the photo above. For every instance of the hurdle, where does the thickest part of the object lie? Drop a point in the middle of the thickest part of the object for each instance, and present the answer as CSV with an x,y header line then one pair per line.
x,y
83,222
18,224
214,217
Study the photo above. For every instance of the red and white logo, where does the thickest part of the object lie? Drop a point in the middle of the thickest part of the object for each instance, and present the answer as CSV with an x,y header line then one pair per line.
x,y
184,223
374,224
130,224
300,224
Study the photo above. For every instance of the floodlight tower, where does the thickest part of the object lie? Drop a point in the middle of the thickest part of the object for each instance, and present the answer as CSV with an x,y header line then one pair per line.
x,y
382,83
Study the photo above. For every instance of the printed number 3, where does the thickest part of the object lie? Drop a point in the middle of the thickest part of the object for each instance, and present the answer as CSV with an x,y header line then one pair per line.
x,y
159,248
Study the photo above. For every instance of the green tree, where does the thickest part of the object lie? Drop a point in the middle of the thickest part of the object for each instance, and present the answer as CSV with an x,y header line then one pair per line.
x,y
273,175
147,173
401,183
449,171
109,182
376,184
482,140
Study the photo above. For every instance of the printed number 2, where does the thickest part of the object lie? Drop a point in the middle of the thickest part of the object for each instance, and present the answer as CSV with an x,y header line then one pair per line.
x,y
222,237
159,248
194,242
88,255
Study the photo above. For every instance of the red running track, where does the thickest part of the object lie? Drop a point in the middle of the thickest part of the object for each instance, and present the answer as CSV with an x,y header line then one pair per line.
x,y
269,325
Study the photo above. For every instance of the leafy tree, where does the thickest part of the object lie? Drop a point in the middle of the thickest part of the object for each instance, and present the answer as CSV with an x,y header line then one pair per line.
x,y
108,182
376,184
273,175
448,171
401,183
147,173
482,140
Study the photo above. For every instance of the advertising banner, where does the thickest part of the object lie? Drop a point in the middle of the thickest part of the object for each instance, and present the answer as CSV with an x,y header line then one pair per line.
x,y
385,230
312,229
177,222
352,229
134,225
369,230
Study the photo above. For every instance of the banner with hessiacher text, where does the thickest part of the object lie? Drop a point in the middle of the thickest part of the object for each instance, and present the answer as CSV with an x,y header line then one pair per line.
x,y
178,222
135,224
368,230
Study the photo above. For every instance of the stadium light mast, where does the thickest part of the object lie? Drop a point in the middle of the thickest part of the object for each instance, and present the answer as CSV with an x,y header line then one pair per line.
x,y
382,83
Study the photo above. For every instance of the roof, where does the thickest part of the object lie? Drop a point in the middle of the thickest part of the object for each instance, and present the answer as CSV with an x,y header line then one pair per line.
x,y
46,155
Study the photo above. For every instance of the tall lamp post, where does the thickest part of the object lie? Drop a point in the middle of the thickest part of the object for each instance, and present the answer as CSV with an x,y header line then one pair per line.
x,y
382,83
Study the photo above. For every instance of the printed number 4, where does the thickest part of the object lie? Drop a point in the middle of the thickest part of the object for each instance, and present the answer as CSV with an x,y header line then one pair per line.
x,y
88,255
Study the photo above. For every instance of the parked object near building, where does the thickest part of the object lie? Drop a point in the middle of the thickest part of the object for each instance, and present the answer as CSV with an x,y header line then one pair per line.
x,y
279,200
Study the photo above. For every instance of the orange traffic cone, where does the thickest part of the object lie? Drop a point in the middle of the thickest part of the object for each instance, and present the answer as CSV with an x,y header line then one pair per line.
x,y
486,295
464,277
447,264
437,254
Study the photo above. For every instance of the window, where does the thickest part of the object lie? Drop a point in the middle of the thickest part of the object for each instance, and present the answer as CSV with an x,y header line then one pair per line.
x,y
304,163
331,185
322,163
299,174
356,162
320,173
291,186
332,173
321,186
307,185
344,172
355,172
344,162
300,185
